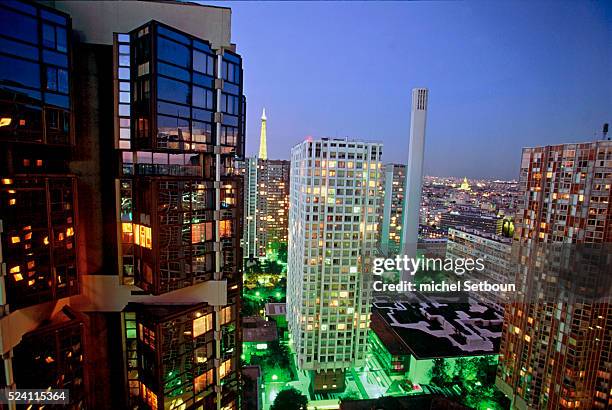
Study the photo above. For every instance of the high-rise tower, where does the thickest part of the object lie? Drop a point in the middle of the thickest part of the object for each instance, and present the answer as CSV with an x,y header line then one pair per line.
x,y
414,177
556,344
120,259
393,210
333,233
263,145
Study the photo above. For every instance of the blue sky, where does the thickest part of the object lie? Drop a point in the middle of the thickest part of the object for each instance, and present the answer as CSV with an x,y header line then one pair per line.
x,y
502,75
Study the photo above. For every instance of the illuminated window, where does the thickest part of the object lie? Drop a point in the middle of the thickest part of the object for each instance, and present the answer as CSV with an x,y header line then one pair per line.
x,y
126,232
146,336
203,381
202,325
226,315
201,232
225,368
142,235
225,229
148,396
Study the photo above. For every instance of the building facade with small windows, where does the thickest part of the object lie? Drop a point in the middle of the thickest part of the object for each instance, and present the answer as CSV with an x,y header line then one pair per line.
x,y
494,251
333,235
266,206
394,182
557,338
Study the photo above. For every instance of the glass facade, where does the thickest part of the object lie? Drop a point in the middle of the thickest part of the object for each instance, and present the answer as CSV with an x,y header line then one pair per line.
x,y
174,361
180,110
171,355
52,357
180,122
34,75
38,247
37,191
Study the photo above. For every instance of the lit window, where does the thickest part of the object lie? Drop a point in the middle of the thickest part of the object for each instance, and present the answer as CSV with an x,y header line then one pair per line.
x,y
225,368
142,236
202,325
201,232
226,315
146,336
225,228
148,396
203,381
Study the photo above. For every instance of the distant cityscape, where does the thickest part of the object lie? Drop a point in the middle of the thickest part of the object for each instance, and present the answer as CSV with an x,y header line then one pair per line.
x,y
342,197
146,262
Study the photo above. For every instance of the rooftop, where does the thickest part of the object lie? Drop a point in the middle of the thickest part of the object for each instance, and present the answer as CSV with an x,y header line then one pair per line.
x,y
257,329
429,329
276,309
420,402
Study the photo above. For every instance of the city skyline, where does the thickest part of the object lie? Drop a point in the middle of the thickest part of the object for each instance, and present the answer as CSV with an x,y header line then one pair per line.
x,y
549,79
151,259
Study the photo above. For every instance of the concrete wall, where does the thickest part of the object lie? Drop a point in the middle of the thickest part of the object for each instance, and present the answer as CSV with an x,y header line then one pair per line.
x,y
96,21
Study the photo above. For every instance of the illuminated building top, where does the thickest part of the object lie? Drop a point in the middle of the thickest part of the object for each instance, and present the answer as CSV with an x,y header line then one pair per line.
x,y
263,147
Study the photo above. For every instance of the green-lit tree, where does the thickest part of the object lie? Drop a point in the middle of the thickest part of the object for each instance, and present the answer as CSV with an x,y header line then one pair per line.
x,y
282,252
290,399
278,355
440,374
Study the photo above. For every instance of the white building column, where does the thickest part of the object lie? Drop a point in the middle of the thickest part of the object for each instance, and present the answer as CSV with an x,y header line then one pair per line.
x,y
414,174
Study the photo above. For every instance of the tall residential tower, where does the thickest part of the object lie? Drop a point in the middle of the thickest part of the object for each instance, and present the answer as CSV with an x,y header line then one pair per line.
x,y
333,234
393,210
556,349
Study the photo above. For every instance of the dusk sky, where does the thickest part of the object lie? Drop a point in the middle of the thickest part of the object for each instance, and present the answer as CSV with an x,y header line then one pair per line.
x,y
501,76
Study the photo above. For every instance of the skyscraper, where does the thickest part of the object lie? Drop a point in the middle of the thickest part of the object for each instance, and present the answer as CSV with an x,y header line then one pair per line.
x,y
557,337
272,204
333,234
249,171
266,198
393,210
180,213
263,143
41,335
125,288
414,172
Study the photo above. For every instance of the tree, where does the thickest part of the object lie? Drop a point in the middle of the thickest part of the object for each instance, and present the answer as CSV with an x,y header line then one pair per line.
x,y
290,399
278,355
459,374
282,252
440,372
